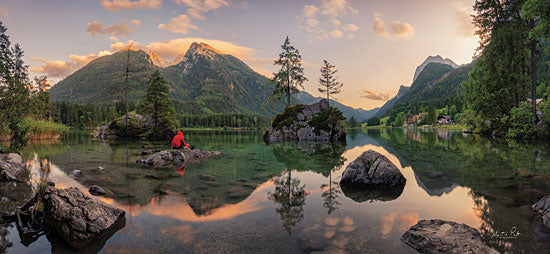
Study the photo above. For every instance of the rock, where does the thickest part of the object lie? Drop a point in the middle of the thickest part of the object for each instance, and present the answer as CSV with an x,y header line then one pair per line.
x,y
138,126
10,166
438,236
372,168
543,207
100,168
305,123
96,190
76,174
176,157
51,184
146,152
159,159
77,218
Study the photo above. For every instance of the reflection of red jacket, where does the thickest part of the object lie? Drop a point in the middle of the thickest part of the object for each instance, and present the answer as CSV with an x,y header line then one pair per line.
x,y
178,141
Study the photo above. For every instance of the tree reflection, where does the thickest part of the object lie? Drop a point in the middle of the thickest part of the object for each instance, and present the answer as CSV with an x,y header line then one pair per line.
x,y
330,195
291,197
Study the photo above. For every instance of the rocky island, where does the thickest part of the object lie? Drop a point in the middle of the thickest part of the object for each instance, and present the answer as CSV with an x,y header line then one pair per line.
x,y
315,122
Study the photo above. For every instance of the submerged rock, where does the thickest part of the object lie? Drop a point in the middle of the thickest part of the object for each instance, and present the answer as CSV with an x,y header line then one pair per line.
x,y
77,218
438,236
176,157
76,174
10,166
97,191
543,207
307,123
372,168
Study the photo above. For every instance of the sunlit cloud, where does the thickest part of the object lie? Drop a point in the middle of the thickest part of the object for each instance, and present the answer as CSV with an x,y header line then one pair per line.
x,y
180,24
120,29
403,30
462,12
398,29
375,96
120,5
324,21
61,69
197,8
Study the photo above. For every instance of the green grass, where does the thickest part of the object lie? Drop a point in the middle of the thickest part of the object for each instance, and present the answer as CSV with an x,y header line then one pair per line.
x,y
39,129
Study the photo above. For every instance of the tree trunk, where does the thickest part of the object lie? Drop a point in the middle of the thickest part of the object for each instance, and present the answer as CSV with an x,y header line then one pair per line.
x,y
534,78
288,86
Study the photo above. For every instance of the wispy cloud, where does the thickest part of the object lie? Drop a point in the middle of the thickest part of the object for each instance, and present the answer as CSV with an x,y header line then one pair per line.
x,y
3,11
398,29
60,69
375,96
120,29
180,24
197,8
323,21
120,5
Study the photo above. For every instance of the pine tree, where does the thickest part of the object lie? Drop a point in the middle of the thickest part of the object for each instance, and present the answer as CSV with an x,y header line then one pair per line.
x,y
327,82
291,75
14,93
157,102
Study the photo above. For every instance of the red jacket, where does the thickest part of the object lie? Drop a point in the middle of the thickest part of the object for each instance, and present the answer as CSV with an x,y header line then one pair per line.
x,y
178,141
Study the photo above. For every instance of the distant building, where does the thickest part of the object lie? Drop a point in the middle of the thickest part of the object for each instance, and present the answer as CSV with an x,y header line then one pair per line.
x,y
444,119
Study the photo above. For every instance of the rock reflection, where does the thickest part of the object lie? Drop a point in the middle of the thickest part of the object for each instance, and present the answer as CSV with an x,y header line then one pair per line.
x,y
372,193
291,197
315,156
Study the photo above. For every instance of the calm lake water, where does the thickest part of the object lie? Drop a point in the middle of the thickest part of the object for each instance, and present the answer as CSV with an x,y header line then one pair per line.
x,y
285,198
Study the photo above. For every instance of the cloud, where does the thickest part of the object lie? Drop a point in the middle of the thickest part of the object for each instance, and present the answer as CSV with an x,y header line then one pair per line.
x,y
403,30
3,11
380,29
119,5
120,29
197,8
336,34
309,11
324,21
180,24
375,96
60,69
398,29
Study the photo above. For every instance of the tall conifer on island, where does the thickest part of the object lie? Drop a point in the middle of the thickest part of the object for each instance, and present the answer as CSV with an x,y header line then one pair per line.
x,y
291,75
327,82
157,102
14,93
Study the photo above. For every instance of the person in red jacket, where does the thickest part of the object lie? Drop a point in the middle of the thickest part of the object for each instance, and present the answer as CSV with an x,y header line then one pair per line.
x,y
178,141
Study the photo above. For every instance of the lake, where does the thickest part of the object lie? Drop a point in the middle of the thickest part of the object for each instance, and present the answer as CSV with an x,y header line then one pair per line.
x,y
285,198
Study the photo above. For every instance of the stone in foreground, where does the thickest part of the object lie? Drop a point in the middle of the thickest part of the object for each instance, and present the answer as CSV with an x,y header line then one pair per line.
x,y
97,191
10,166
372,168
439,236
77,218
543,207
176,157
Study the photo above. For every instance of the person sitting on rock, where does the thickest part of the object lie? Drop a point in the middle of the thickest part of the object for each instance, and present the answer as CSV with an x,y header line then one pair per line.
x,y
178,142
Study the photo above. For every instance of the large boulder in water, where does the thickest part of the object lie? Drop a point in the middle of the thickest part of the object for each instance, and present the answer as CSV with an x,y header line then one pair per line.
x,y
543,207
10,166
372,169
438,236
176,157
316,122
77,218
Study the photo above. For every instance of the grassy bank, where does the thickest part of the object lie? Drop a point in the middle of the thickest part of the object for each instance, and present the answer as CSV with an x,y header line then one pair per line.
x,y
39,130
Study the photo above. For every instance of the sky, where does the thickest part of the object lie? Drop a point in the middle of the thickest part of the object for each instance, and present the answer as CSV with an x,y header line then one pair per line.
x,y
375,44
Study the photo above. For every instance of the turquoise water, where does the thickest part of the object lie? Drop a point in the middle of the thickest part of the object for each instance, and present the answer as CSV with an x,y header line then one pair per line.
x,y
259,198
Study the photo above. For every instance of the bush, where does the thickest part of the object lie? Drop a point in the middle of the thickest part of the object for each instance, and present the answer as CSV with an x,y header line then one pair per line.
x,y
520,123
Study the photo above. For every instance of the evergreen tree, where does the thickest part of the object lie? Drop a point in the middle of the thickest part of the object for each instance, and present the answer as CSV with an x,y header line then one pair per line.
x,y
291,74
157,103
432,115
14,92
327,81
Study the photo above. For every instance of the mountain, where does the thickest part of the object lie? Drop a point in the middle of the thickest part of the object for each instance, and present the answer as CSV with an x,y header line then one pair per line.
x,y
359,113
204,80
389,104
433,59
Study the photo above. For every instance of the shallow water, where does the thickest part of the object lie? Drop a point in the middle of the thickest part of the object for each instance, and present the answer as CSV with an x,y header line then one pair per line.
x,y
258,198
